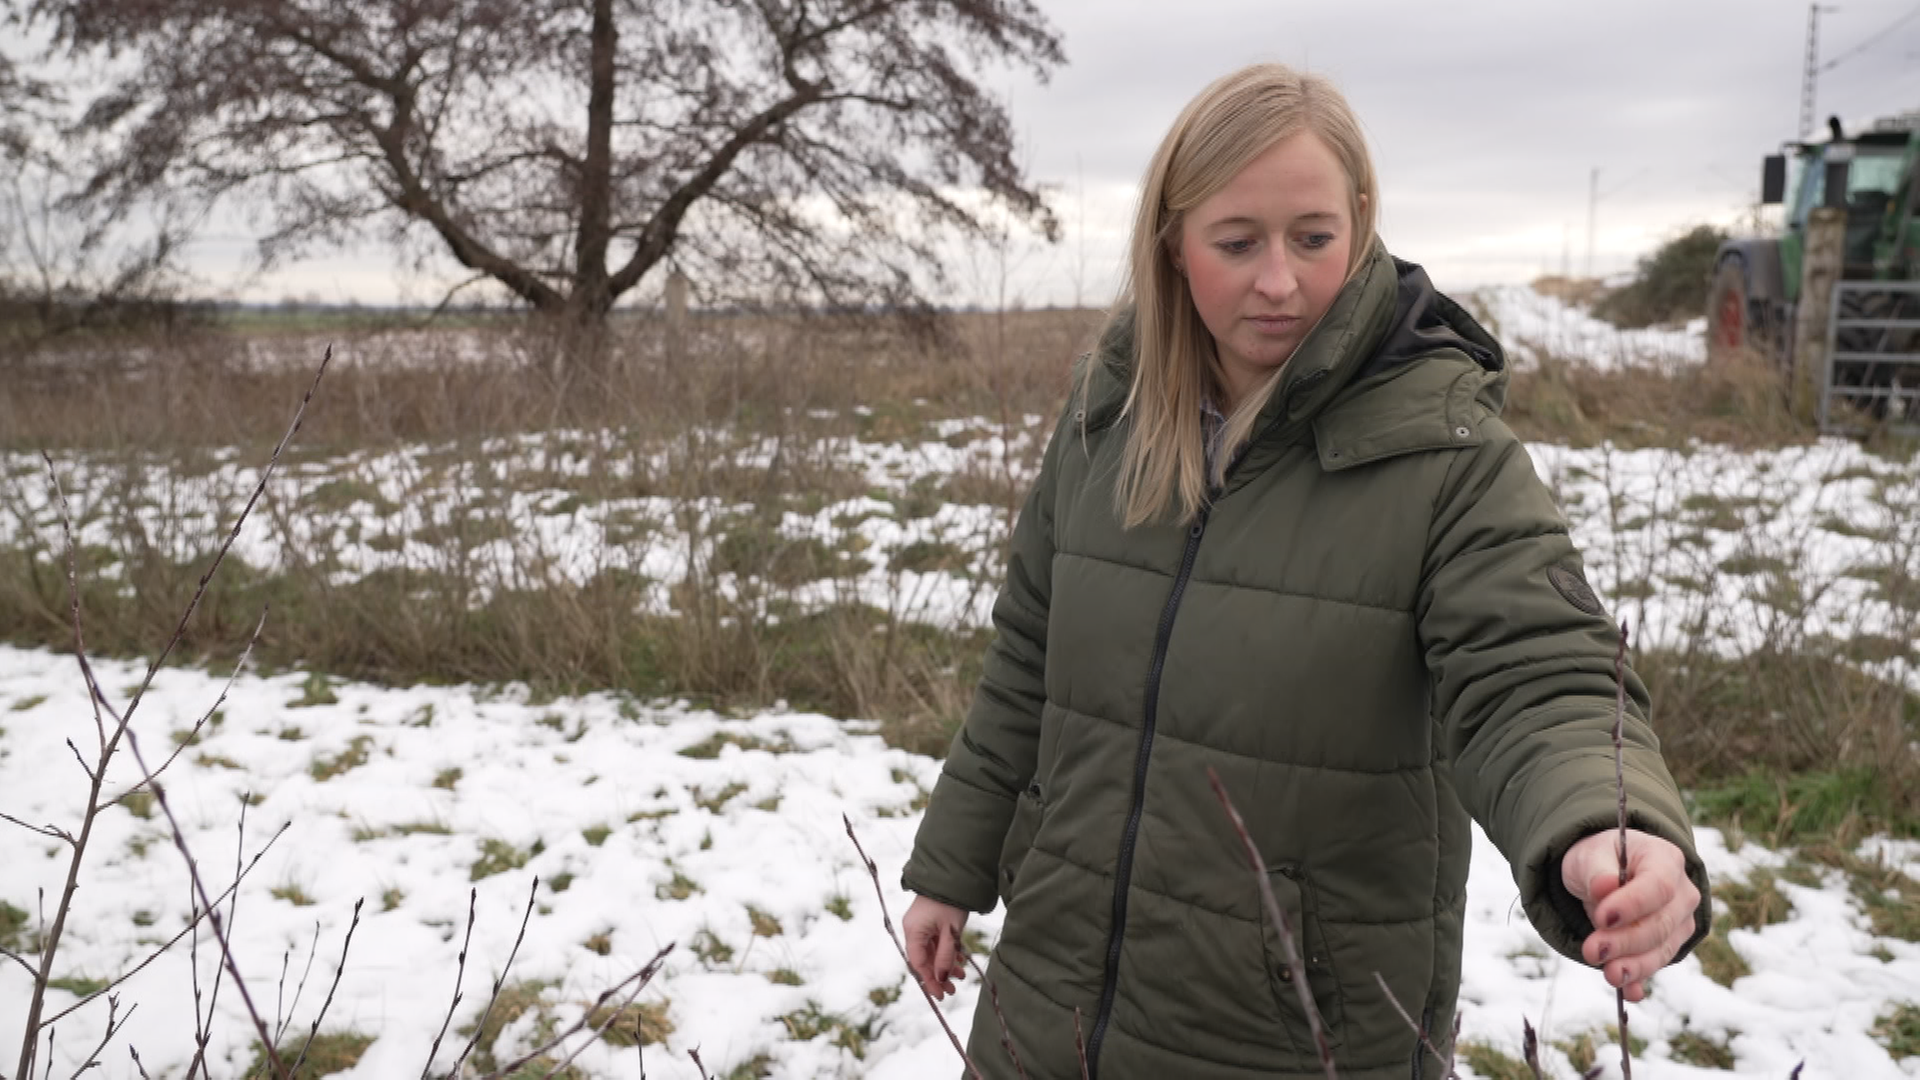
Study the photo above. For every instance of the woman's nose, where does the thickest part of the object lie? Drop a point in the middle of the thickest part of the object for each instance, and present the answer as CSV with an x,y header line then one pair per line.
x,y
1276,279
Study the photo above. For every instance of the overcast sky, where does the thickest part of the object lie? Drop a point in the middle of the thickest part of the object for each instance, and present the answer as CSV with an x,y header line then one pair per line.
x,y
1486,118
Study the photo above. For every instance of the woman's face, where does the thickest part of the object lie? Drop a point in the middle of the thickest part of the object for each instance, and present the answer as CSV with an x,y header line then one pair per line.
x,y
1265,256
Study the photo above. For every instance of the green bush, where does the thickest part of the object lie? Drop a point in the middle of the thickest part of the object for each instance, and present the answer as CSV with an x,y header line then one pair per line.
x,y
1669,285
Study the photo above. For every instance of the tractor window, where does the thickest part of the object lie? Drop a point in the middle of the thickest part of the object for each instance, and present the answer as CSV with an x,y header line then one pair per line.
x,y
1874,177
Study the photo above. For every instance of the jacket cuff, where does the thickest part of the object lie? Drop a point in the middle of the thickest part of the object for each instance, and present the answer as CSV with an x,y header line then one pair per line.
x,y
956,851
1556,913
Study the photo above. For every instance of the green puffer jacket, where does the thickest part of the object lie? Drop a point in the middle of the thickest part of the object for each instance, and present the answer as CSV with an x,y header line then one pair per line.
x,y
1379,627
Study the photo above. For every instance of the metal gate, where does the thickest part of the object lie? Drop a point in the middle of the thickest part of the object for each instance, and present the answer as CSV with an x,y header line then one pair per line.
x,y
1873,358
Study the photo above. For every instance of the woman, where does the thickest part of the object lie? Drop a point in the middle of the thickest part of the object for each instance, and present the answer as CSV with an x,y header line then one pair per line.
x,y
1281,532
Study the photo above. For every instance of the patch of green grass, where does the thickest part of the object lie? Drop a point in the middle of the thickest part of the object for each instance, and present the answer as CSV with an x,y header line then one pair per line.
x,y
1805,807
143,918
79,985
13,929
927,556
710,747
26,703
754,547
1889,897
596,835
139,803
785,977
712,804
333,1052
840,907
326,767
316,690
1754,903
498,857
600,944
342,492
811,1022
1719,960
757,1067
643,1023
215,761
709,948
883,996
561,881
1697,1049
391,899
1584,1049
1742,565
445,779
679,888
1490,1063
1899,1031
515,1000
420,828
764,924
769,804
292,893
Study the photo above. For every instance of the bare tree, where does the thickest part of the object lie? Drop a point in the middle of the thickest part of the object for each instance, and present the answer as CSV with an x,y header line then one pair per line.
x,y
794,150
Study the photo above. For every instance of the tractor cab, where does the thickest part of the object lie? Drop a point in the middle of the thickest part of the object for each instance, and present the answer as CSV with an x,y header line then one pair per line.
x,y
1872,176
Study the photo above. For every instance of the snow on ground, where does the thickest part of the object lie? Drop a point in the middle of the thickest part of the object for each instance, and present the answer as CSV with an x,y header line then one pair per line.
x,y
1534,326
664,823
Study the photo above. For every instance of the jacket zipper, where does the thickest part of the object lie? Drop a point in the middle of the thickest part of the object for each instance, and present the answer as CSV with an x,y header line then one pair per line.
x,y
1124,871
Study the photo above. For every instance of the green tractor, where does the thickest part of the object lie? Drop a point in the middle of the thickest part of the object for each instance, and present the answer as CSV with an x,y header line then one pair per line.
x,y
1871,366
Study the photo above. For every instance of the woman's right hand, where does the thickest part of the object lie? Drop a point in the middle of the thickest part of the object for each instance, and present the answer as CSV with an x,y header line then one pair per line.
x,y
933,944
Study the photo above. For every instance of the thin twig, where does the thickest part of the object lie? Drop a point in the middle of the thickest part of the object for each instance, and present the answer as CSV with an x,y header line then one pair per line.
x,y
887,921
93,1059
194,733
52,832
16,958
481,1024
83,762
1080,1044
204,1035
640,978
1620,786
1281,923
137,1064
314,1031
993,997
1419,1032
175,940
459,979
299,991
698,1064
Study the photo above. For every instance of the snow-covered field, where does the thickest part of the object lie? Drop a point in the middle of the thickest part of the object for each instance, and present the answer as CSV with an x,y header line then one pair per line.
x,y
656,824
1534,326
650,822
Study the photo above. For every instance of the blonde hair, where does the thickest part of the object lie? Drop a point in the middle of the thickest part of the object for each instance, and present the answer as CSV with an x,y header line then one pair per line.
x,y
1232,122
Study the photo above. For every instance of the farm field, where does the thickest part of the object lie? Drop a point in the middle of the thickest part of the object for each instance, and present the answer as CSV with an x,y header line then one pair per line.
x,y
689,645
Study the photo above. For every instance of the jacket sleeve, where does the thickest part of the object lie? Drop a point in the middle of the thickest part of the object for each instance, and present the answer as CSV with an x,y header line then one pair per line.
x,y
956,852
1522,659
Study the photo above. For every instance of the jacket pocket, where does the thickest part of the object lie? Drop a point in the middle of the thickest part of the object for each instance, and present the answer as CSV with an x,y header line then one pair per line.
x,y
1295,893
1027,811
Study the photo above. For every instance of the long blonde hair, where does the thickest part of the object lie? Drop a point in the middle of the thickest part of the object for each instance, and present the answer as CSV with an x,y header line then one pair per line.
x,y
1229,124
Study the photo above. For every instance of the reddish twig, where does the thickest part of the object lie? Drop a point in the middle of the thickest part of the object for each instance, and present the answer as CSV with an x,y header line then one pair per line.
x,y
498,982
1530,1048
886,920
459,978
993,996
1620,786
193,735
137,1064
698,1064
93,1059
52,832
1281,923
1419,1032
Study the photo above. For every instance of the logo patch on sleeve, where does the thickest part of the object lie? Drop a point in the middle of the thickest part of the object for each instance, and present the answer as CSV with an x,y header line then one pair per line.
x,y
1571,585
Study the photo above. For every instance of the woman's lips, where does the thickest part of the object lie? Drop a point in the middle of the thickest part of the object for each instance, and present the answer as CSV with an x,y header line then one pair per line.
x,y
1273,323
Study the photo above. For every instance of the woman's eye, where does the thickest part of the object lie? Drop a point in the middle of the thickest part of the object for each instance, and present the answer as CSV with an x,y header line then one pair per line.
x,y
1235,247
1316,241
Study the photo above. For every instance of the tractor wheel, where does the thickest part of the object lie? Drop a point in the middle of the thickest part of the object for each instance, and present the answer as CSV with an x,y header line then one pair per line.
x,y
1730,330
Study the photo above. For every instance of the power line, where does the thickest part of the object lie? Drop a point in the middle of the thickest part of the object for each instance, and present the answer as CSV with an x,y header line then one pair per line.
x,y
1871,41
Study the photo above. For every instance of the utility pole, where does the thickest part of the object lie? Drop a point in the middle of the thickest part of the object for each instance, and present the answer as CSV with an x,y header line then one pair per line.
x,y
1593,206
1810,71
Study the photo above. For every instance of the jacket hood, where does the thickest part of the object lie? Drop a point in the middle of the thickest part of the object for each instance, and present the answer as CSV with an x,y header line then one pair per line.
x,y
1351,372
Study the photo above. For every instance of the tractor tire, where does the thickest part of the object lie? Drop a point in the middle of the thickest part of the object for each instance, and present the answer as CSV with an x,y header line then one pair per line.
x,y
1730,329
